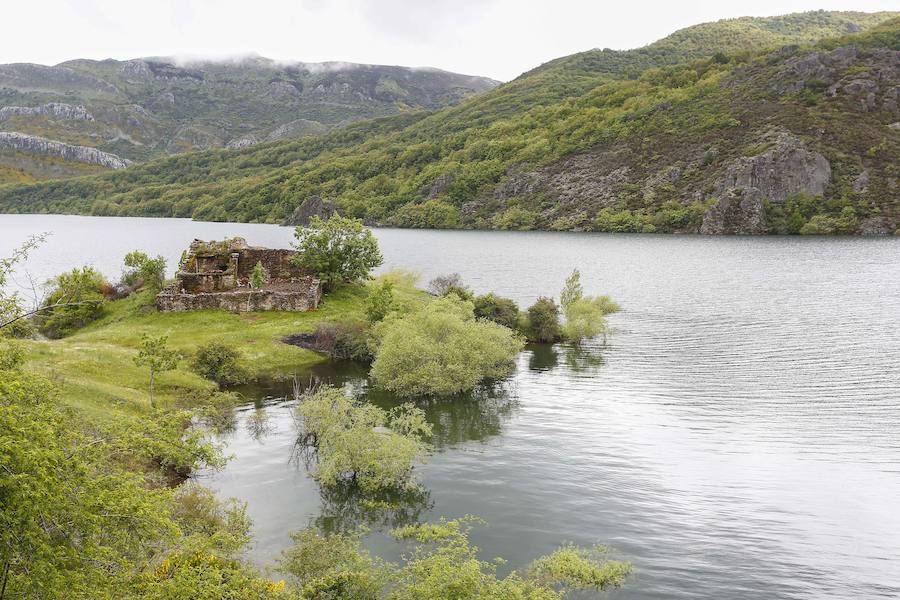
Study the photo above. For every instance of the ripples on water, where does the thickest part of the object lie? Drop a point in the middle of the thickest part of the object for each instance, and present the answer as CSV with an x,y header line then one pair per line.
x,y
738,437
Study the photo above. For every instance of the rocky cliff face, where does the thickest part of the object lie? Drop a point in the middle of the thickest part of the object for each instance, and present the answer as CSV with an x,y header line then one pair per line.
x,y
30,144
785,169
57,110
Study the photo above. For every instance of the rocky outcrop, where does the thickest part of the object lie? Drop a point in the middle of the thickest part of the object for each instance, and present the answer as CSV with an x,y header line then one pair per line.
x,y
313,206
59,110
787,167
30,144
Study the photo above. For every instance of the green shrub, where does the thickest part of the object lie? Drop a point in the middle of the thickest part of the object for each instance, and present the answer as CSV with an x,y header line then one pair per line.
x,y
220,363
516,218
380,301
144,272
542,321
432,214
83,290
443,350
501,311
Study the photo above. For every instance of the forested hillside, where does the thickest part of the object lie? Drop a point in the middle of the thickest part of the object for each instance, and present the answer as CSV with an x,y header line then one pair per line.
x,y
747,136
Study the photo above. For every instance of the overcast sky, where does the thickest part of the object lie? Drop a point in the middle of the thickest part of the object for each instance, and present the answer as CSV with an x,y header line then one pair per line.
x,y
496,38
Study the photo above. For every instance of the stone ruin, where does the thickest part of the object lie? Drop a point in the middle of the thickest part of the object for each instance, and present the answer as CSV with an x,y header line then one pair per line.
x,y
216,275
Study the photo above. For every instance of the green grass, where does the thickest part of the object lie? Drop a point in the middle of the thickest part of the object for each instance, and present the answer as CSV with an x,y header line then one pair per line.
x,y
95,370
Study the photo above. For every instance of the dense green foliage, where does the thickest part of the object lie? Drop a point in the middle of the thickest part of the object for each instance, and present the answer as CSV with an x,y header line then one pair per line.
x,y
80,294
462,166
219,362
339,250
501,311
80,518
380,302
141,271
542,321
359,443
441,350
441,564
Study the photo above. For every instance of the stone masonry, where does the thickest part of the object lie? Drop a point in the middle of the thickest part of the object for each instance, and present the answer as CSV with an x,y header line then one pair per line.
x,y
216,275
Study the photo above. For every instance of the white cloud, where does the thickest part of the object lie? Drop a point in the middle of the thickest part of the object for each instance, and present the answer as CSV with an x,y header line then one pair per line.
x,y
497,38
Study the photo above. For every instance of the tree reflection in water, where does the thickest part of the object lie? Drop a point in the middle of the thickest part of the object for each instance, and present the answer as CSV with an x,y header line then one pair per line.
x,y
585,358
345,509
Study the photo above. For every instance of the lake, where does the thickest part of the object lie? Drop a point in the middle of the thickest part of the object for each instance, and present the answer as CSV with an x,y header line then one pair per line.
x,y
738,437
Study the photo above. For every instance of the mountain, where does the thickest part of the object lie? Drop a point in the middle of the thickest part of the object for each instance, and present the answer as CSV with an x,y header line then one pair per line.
x,y
803,137
146,108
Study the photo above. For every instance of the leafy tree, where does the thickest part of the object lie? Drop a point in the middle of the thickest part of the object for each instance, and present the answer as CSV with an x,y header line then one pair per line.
x,y
339,250
442,350
360,443
572,290
220,363
157,357
69,521
542,322
380,301
258,276
76,298
144,272
501,311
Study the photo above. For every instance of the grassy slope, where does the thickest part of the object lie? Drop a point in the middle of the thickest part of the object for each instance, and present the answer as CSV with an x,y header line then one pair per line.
x,y
95,367
380,170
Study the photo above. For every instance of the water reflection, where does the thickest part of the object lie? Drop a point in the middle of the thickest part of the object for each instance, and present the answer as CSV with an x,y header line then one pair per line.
x,y
344,509
585,358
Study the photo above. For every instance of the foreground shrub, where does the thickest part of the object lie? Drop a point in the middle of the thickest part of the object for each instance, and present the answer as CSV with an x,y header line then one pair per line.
x,y
359,443
81,293
501,311
220,363
542,321
443,350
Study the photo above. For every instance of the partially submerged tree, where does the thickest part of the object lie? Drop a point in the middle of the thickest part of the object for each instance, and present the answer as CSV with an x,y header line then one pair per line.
x,y
542,321
441,563
339,250
585,315
360,443
442,350
501,311
156,355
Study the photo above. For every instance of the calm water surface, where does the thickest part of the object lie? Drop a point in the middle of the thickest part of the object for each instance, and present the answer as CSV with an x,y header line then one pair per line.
x,y
739,436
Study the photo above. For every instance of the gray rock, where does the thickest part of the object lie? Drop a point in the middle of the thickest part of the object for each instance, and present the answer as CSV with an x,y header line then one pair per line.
x,y
30,144
438,186
877,226
786,168
861,183
60,110
313,206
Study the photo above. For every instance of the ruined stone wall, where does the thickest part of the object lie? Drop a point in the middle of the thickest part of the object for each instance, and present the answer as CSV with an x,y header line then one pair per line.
x,y
301,296
276,262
